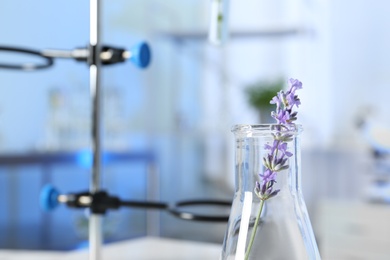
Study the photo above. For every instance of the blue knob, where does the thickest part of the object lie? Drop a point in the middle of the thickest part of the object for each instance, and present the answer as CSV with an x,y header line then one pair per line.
x,y
140,55
48,198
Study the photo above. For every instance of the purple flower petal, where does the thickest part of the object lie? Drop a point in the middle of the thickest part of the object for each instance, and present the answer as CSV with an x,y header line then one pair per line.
x,y
292,100
275,100
294,84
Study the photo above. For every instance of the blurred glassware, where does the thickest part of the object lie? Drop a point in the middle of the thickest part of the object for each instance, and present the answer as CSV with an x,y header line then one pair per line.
x,y
219,15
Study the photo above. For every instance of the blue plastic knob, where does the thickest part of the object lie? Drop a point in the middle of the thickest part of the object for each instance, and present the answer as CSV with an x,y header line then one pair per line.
x,y
140,55
48,198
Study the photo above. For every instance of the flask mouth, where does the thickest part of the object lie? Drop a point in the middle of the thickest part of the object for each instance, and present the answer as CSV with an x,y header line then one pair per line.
x,y
265,129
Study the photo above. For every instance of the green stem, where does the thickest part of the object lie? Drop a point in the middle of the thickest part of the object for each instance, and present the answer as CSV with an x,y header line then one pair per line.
x,y
254,230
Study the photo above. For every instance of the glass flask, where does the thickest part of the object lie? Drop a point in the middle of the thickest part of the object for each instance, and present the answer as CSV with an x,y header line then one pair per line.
x,y
276,227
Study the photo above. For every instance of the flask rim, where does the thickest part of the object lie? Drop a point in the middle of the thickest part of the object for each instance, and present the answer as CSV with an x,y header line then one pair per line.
x,y
264,129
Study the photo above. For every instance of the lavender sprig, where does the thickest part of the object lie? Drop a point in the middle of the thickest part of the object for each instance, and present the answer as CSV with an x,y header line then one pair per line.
x,y
277,158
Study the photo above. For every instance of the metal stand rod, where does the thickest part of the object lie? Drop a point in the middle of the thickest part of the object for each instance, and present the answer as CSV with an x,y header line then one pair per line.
x,y
95,228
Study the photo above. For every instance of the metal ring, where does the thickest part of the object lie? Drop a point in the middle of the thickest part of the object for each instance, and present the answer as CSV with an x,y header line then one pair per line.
x,y
178,212
27,66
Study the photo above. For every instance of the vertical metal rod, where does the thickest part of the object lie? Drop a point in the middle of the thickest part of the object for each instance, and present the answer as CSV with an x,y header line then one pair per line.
x,y
95,225
153,194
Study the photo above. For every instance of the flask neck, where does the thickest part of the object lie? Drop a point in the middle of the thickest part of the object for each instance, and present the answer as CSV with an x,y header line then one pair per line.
x,y
259,154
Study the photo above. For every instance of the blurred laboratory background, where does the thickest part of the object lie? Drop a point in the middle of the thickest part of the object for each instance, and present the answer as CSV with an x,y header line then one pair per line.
x,y
172,121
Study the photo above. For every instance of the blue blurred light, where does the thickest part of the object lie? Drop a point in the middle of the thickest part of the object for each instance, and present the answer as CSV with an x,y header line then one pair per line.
x,y
84,158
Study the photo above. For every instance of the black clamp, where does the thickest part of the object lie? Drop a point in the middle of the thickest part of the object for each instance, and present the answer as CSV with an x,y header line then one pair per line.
x,y
101,201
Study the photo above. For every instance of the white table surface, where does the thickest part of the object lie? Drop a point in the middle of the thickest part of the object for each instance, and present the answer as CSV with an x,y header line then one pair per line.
x,y
147,248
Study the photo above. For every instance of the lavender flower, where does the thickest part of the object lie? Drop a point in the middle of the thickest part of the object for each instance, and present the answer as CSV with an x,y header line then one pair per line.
x,y
277,158
285,102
